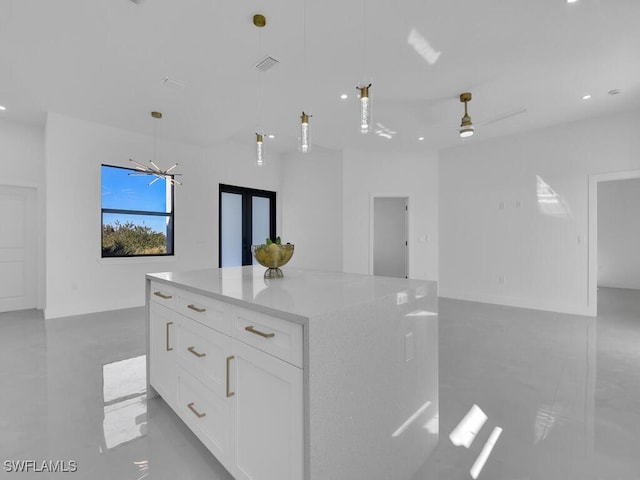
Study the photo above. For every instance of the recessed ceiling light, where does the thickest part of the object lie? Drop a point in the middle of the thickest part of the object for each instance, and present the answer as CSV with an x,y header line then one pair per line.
x,y
344,96
586,97
271,135
2,107
572,1
421,138
615,91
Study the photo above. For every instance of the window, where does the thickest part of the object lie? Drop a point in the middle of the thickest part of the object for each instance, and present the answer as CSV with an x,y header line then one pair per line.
x,y
137,214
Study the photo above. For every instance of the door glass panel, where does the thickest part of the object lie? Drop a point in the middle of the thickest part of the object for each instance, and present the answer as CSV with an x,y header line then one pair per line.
x,y
260,220
231,234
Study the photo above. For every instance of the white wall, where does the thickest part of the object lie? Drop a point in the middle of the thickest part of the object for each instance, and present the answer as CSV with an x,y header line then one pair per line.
x,y
514,212
22,165
77,279
312,208
619,234
406,174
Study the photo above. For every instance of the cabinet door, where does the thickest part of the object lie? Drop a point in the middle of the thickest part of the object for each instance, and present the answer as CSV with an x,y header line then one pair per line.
x,y
267,411
163,330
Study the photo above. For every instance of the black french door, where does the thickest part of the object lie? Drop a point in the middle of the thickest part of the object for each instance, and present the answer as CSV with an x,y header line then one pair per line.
x,y
247,216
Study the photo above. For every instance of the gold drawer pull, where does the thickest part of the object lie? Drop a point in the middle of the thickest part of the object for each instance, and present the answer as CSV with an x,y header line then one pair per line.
x,y
258,332
229,394
193,350
162,295
168,347
196,309
193,409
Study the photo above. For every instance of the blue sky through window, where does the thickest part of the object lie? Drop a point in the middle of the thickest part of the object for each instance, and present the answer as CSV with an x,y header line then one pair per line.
x,y
127,192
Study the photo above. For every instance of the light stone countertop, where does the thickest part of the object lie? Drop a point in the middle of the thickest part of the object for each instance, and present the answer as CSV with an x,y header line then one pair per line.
x,y
302,294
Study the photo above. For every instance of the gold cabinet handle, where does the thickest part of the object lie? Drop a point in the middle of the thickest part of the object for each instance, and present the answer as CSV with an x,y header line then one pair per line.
x,y
193,409
193,350
167,336
258,332
196,309
162,295
229,394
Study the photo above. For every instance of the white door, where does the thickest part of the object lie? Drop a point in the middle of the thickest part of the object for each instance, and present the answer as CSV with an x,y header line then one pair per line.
x,y
390,236
18,232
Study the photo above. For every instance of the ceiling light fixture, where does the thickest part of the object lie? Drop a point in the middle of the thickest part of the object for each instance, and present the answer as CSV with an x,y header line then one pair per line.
x,y
303,140
365,109
2,107
154,169
466,127
304,133
259,21
344,96
421,138
259,150
572,1
586,97
365,102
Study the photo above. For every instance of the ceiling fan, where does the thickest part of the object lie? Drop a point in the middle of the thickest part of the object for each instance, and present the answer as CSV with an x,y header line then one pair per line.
x,y
467,128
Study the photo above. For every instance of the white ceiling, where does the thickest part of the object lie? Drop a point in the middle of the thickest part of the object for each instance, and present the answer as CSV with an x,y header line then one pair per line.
x,y
103,60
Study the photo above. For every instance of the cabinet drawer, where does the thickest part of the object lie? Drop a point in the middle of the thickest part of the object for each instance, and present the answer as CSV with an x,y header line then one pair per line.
x,y
273,335
162,294
206,413
202,352
205,310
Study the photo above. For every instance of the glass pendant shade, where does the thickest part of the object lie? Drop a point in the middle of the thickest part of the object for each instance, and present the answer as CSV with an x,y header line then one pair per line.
x,y
305,145
259,151
365,109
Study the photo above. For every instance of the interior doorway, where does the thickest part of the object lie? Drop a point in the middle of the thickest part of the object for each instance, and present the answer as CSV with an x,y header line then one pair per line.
x,y
247,216
18,248
595,183
390,245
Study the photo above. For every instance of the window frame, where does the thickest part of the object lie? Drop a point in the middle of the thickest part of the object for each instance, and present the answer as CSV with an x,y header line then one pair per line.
x,y
170,215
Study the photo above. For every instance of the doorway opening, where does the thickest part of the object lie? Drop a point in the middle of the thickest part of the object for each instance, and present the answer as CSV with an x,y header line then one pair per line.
x,y
389,236
615,187
246,217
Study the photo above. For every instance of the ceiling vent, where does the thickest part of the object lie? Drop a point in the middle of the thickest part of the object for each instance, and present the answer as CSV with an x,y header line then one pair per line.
x,y
266,63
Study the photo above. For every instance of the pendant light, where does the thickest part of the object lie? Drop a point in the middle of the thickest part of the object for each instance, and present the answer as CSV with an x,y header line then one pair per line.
x,y
259,21
304,146
259,151
154,170
365,101
466,127
304,133
365,109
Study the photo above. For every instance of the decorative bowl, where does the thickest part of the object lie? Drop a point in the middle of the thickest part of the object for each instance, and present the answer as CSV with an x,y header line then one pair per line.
x,y
272,256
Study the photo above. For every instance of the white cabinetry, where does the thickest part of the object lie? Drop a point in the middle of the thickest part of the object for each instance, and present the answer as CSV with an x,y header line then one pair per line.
x,y
235,377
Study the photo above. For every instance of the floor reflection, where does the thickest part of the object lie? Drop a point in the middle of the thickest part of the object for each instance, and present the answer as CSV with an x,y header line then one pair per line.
x,y
564,390
125,406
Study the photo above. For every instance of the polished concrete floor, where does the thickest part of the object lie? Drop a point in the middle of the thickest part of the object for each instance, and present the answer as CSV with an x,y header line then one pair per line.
x,y
563,389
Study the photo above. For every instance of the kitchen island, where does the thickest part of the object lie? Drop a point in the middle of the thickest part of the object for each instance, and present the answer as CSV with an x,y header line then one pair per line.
x,y
315,376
